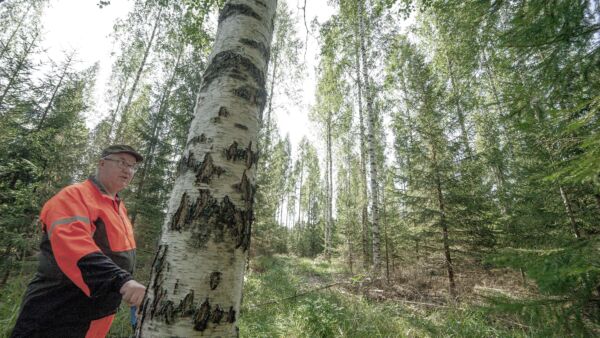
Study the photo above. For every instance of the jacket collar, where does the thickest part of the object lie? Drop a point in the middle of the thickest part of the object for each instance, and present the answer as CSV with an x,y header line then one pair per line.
x,y
96,182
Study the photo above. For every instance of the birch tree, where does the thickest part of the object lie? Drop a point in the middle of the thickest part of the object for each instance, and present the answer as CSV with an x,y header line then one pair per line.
x,y
197,275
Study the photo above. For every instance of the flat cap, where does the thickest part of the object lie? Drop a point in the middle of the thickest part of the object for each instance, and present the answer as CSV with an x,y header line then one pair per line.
x,y
122,148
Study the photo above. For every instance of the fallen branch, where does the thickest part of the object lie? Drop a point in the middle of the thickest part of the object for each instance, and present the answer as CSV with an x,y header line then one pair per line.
x,y
425,304
296,295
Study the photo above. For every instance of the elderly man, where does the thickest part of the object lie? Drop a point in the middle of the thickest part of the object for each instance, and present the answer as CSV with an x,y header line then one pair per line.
x,y
87,255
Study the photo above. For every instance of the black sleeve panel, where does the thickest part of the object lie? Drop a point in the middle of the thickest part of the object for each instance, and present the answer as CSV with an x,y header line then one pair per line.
x,y
101,274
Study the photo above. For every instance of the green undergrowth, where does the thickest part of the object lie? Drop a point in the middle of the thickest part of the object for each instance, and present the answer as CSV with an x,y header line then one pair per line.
x,y
287,296
281,300
10,299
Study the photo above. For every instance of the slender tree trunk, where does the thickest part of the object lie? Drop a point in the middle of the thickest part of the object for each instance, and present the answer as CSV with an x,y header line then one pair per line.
x,y
385,237
569,211
6,45
5,259
18,69
363,157
210,211
113,116
265,121
371,143
300,194
158,120
54,92
329,221
444,227
138,75
350,218
464,137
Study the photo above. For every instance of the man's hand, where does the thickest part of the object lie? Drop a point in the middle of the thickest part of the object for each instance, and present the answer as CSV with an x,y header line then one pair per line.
x,y
133,293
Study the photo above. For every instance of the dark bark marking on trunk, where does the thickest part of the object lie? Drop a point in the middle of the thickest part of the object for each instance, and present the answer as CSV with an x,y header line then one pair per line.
x,y
230,62
234,154
256,45
258,2
240,126
166,311
256,96
217,314
186,306
207,170
202,316
238,76
181,215
237,9
215,279
245,188
216,119
208,217
159,265
223,112
231,315
143,311
186,162
176,287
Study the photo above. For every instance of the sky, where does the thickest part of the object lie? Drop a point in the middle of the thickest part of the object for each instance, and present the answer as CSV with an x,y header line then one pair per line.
x,y
82,26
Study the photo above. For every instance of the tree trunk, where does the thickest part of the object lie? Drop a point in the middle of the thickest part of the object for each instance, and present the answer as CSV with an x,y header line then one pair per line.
x,y
265,121
464,137
54,92
569,211
300,194
371,143
6,46
119,136
385,237
350,218
363,158
113,116
197,275
18,69
444,226
329,221
5,260
158,120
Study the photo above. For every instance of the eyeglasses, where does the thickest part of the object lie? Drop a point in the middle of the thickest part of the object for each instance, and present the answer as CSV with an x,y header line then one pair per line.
x,y
123,164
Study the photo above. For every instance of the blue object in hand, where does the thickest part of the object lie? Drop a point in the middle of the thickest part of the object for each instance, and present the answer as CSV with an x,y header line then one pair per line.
x,y
133,316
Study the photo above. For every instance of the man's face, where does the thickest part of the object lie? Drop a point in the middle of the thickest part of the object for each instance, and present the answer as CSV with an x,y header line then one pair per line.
x,y
116,171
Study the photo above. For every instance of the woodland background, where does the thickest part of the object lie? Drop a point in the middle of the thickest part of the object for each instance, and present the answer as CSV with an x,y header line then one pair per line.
x,y
454,188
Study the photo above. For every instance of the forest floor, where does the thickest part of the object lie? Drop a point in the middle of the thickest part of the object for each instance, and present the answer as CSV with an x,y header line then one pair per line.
x,y
288,296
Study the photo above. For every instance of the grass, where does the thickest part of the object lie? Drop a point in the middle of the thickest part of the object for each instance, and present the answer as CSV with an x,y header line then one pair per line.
x,y
338,312
287,296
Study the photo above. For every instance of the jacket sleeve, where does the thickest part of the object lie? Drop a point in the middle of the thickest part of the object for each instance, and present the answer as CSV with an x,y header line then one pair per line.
x,y
70,231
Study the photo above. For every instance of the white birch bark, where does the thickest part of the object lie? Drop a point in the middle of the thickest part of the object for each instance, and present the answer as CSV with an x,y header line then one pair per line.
x,y
370,142
196,284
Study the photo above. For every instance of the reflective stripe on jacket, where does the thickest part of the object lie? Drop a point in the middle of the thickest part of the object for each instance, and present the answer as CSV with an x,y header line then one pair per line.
x,y
87,254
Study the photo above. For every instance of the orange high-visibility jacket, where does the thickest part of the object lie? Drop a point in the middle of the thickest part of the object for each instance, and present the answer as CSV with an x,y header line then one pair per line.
x,y
87,254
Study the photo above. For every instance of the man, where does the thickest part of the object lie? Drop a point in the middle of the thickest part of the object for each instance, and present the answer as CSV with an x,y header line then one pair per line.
x,y
87,256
